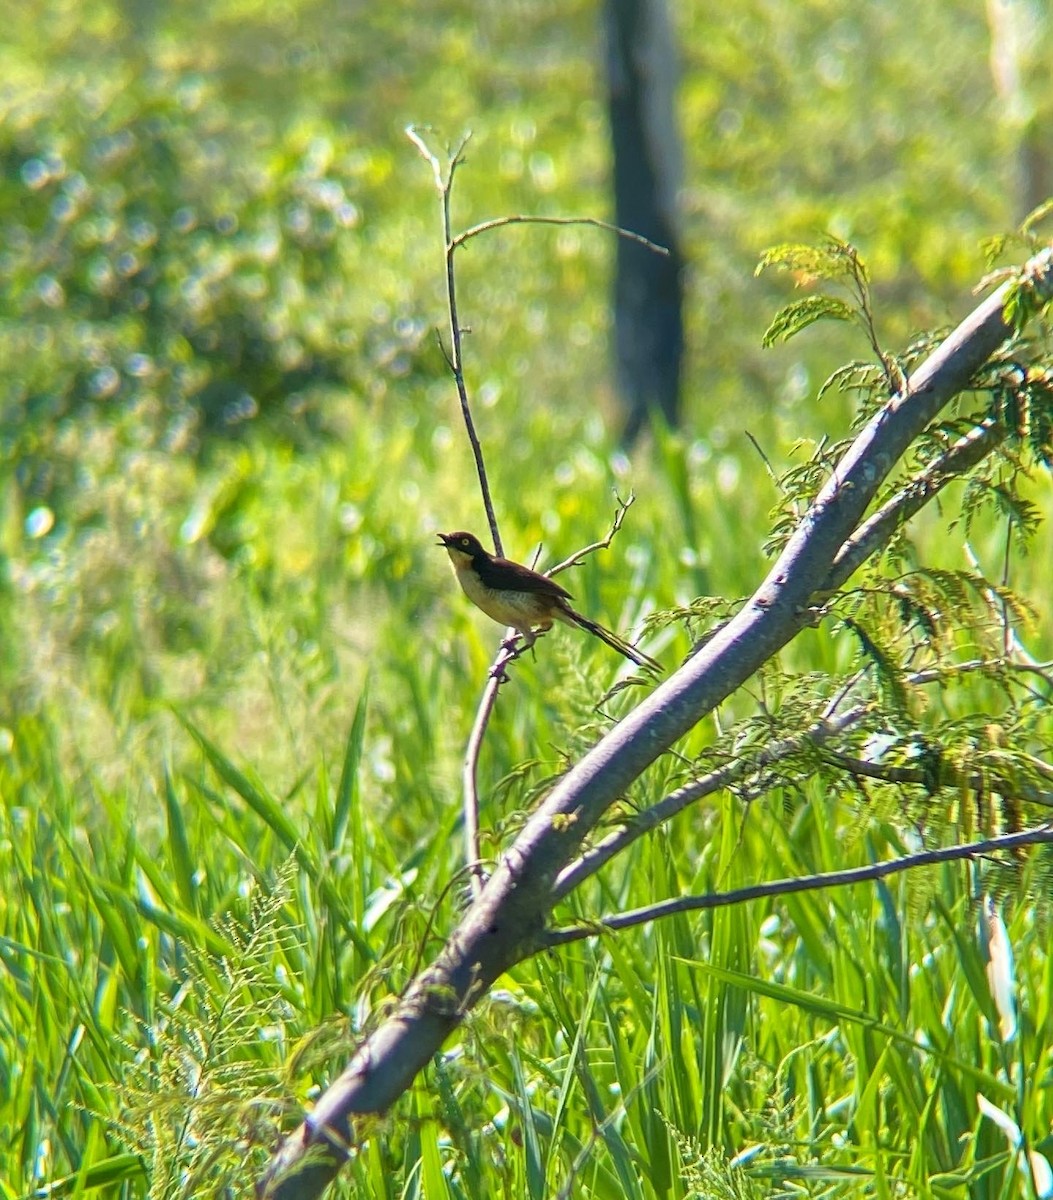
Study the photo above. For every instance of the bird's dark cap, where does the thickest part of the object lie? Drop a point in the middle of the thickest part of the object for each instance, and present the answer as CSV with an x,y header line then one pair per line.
x,y
460,539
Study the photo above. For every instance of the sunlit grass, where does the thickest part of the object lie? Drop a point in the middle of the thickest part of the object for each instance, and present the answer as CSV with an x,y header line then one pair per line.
x,y
814,1033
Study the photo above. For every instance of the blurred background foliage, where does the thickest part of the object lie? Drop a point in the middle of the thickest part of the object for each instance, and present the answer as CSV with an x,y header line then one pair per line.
x,y
227,433
220,256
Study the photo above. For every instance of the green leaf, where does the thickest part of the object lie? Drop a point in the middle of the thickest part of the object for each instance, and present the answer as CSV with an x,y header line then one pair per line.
x,y
834,259
270,810
790,320
347,793
832,1010
182,858
889,673
110,1172
261,802
798,257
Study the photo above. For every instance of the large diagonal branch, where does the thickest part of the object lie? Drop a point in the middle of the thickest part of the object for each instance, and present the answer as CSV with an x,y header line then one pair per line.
x,y
506,923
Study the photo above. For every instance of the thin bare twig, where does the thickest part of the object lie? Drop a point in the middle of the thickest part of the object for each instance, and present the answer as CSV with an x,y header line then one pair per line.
x,y
455,361
526,219
455,357
772,475
579,556
470,771
469,783
802,883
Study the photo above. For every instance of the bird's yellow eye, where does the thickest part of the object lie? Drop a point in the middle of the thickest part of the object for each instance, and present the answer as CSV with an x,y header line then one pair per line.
x,y
465,542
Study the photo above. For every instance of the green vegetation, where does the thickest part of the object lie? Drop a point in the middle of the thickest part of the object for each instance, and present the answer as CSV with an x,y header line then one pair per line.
x,y
236,678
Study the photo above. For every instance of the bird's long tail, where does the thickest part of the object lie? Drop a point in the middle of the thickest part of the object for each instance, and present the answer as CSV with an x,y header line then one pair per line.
x,y
612,639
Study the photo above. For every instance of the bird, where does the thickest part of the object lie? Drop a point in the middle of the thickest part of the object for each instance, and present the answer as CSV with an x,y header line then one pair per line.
x,y
525,600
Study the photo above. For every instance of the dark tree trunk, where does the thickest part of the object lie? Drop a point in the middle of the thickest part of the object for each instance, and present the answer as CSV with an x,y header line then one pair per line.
x,y
648,289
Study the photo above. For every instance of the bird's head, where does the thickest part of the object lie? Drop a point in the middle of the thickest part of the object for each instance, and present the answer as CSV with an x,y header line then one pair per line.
x,y
461,543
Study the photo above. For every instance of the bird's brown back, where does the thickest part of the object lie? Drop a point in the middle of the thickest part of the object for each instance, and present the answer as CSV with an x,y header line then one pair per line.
x,y
505,575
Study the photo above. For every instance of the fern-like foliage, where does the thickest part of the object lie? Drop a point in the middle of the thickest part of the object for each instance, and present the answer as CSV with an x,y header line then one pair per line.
x,y
935,715
836,263
198,1102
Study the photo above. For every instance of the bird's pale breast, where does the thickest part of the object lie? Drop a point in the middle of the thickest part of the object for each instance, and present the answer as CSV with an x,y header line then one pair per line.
x,y
519,609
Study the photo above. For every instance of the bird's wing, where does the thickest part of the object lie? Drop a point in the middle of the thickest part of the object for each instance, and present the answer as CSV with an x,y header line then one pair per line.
x,y
503,574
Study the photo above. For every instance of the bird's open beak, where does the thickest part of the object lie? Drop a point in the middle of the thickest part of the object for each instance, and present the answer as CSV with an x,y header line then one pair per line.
x,y
443,539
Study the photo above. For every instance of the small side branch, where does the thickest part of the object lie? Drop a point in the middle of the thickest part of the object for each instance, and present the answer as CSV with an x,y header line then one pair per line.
x,y
524,219
877,530
743,767
803,883
470,786
579,556
753,774
470,773
988,776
